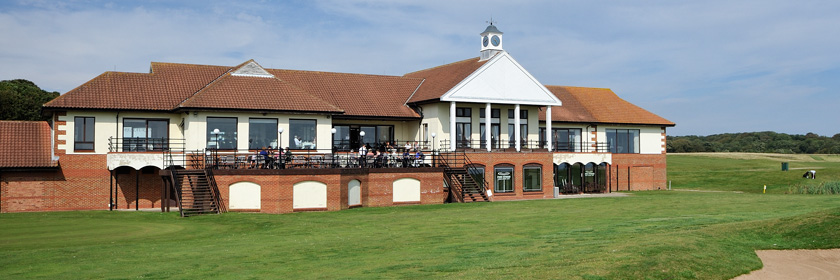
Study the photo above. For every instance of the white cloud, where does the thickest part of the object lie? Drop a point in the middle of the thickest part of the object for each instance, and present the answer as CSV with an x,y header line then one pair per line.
x,y
710,66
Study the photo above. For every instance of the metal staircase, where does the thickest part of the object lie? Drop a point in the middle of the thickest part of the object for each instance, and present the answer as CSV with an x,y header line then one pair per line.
x,y
465,183
197,192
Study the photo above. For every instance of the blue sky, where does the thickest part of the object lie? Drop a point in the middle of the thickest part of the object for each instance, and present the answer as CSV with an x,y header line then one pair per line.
x,y
709,66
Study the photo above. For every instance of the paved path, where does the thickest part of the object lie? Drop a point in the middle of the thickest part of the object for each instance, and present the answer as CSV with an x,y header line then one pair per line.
x,y
797,264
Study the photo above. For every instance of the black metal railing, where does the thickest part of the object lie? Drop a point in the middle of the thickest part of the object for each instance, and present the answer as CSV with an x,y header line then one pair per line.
x,y
557,146
391,146
116,145
217,159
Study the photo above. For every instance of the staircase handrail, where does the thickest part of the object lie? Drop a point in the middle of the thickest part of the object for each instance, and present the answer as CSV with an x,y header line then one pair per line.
x,y
176,184
217,196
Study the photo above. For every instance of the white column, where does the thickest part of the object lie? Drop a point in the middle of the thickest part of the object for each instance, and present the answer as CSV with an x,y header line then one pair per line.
x,y
452,133
487,127
516,128
548,135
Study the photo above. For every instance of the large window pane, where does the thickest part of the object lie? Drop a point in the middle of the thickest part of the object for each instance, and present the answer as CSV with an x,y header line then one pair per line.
x,y
341,139
302,134
262,133
370,135
141,135
532,178
384,133
504,179
226,138
83,133
623,140
561,175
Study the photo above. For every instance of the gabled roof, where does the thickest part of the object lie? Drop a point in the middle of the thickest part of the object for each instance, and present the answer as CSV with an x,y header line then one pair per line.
x,y
501,80
598,105
234,91
359,95
163,89
439,80
25,144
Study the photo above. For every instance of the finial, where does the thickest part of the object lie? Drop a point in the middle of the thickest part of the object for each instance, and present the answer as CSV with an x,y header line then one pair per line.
x,y
491,21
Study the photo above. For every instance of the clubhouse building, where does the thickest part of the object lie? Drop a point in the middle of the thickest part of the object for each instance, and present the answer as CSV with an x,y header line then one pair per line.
x,y
208,138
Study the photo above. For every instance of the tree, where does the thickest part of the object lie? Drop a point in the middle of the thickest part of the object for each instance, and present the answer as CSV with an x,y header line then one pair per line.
x,y
22,100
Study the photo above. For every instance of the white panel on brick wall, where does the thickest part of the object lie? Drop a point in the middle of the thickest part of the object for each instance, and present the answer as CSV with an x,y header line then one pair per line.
x,y
407,190
354,193
310,194
245,195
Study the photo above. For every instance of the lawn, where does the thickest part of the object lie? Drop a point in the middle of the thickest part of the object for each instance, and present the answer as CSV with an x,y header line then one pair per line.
x,y
655,235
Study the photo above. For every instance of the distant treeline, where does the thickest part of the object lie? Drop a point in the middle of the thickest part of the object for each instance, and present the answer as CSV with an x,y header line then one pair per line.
x,y
756,142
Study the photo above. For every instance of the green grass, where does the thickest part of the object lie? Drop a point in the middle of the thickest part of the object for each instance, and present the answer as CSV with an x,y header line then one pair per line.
x,y
748,172
648,235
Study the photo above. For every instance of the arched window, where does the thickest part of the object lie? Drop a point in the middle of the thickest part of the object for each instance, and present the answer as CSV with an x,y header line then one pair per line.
x,y
602,177
576,174
561,175
589,177
532,178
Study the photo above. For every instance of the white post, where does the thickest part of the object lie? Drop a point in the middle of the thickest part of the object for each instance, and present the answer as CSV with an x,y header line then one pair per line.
x,y
548,135
487,127
452,133
517,133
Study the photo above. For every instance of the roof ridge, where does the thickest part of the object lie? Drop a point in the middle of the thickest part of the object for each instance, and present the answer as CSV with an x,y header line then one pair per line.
x,y
339,73
197,92
441,66
578,87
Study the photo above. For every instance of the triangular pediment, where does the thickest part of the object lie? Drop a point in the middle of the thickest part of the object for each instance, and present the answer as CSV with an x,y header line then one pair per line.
x,y
252,69
502,81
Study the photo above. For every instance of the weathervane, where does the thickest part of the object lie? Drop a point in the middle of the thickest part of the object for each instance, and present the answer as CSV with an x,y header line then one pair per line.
x,y
491,21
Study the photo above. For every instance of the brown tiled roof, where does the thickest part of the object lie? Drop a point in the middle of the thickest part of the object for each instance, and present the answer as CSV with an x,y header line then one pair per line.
x,y
439,80
598,105
163,89
25,144
256,93
357,94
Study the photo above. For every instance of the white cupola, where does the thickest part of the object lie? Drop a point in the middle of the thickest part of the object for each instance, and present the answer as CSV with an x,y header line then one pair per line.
x,y
491,42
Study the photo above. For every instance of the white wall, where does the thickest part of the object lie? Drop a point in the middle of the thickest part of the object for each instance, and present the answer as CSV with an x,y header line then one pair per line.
x,y
245,195
406,190
354,193
309,194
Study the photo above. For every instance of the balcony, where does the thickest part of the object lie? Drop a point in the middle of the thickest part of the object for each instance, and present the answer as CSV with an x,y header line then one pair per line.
x,y
141,152
531,145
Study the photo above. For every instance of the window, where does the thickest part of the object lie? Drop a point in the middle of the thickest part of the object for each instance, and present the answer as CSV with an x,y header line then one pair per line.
x,y
262,133
341,138
567,139
523,128
302,134
561,175
384,133
532,178
141,135
504,179
463,112
494,113
83,138
226,138
623,141
477,173
463,127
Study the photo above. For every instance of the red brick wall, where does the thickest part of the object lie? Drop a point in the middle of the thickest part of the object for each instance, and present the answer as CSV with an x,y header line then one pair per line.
x,y
518,160
637,172
276,186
